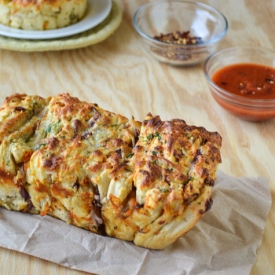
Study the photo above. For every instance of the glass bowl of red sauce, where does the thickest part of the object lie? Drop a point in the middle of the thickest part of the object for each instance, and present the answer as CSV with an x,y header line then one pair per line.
x,y
242,81
179,33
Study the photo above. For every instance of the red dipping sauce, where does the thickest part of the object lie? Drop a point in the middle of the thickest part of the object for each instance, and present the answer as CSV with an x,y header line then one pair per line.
x,y
253,85
248,80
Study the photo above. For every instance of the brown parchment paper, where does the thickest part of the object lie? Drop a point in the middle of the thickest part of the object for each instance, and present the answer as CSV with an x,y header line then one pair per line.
x,y
224,242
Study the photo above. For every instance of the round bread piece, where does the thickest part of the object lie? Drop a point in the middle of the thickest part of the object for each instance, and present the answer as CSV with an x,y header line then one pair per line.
x,y
41,14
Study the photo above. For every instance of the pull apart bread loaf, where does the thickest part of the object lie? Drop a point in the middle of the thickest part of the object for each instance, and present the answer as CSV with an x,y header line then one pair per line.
x,y
41,14
144,182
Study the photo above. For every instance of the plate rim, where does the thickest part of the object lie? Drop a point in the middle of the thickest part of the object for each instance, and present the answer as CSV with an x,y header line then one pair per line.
x,y
89,21
81,40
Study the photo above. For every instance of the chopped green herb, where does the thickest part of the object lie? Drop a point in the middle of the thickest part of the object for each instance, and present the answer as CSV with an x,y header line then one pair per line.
x,y
51,127
151,136
164,190
48,129
37,147
158,135
154,153
130,156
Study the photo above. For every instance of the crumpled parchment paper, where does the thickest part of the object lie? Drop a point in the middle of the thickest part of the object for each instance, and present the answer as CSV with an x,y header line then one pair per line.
x,y
224,241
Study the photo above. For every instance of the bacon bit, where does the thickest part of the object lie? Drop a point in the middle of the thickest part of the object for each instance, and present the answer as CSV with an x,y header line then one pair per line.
x,y
209,181
52,163
76,185
95,110
191,198
196,157
53,142
20,109
76,125
203,172
98,220
86,135
119,153
92,121
208,205
96,201
138,206
136,135
23,192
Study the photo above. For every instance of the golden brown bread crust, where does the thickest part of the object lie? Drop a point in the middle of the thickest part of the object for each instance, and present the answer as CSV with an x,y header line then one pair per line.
x,y
148,183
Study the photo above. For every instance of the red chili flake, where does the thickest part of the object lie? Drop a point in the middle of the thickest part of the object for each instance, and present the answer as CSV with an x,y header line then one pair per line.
x,y
179,38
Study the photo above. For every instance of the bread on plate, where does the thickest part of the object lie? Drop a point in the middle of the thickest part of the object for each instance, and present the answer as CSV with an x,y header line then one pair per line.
x,y
41,14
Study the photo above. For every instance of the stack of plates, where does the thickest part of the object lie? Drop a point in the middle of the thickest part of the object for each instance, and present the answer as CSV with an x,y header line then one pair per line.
x,y
102,18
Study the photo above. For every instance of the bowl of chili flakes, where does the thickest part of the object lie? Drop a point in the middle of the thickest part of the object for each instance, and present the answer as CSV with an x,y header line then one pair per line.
x,y
180,32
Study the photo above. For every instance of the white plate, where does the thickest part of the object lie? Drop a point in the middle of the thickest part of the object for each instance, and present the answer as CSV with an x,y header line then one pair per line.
x,y
97,11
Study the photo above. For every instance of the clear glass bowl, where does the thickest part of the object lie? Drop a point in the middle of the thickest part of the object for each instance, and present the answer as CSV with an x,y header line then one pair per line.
x,y
242,107
163,17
